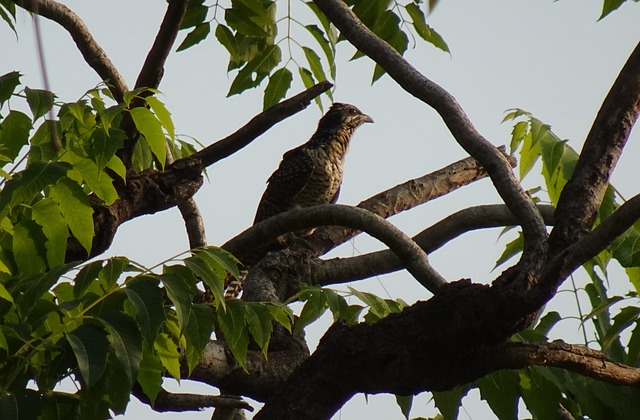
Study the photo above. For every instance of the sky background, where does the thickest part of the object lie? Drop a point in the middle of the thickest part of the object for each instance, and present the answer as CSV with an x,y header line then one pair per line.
x,y
552,59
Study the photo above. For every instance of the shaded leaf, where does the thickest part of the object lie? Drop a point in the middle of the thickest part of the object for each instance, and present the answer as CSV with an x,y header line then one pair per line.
x,y
90,347
501,390
233,326
425,31
126,342
14,134
46,213
40,101
148,300
163,114
279,84
198,332
199,33
28,247
8,84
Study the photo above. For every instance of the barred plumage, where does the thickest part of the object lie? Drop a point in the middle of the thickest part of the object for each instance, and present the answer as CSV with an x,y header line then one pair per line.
x,y
310,174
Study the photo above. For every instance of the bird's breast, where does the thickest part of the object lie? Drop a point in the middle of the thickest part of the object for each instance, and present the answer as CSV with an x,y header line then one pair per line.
x,y
325,178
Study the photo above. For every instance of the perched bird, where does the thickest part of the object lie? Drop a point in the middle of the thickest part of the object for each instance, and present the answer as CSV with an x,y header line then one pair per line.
x,y
310,174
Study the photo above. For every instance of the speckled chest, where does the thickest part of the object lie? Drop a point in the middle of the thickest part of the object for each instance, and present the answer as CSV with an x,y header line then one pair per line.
x,y
326,177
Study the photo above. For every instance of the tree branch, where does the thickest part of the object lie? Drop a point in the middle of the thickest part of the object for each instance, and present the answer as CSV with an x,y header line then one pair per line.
x,y
153,67
259,124
581,196
171,402
341,270
578,359
93,54
454,117
413,258
602,236
404,197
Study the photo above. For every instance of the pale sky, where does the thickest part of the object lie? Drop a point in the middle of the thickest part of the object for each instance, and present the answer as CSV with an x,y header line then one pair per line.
x,y
550,58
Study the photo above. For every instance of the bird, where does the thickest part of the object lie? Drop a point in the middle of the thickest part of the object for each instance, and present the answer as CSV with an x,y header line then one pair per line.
x,y
310,174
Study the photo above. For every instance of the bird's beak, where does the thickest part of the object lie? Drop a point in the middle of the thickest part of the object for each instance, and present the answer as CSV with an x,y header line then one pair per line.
x,y
366,119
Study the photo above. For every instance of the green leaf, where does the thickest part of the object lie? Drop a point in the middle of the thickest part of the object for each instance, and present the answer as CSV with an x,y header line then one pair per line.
x,y
252,74
10,17
501,390
85,277
198,333
164,116
4,294
609,6
307,79
405,403
547,322
14,134
314,64
40,101
226,38
282,314
624,319
199,33
279,84
512,249
180,294
105,144
196,13
46,213
23,187
449,402
151,373
126,342
28,247
98,181
148,300
540,395
259,324
167,351
327,47
76,210
90,346
42,143
8,84
233,326
314,307
151,128
425,31
112,271
633,346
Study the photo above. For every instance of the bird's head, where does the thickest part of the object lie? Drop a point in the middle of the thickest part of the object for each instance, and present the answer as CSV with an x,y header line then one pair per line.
x,y
344,116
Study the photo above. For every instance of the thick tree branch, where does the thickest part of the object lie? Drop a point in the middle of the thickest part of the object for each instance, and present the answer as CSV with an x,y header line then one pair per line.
x,y
93,54
341,270
153,67
581,196
454,117
218,368
260,124
172,402
578,359
405,197
412,257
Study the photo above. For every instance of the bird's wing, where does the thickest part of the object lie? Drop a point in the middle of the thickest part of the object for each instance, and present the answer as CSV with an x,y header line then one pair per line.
x,y
285,184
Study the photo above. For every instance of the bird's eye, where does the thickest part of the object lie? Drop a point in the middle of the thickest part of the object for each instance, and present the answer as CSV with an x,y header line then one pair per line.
x,y
352,111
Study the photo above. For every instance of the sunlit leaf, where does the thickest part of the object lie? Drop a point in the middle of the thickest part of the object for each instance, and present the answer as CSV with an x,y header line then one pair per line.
x,y
167,351
46,213
76,210
151,128
163,114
